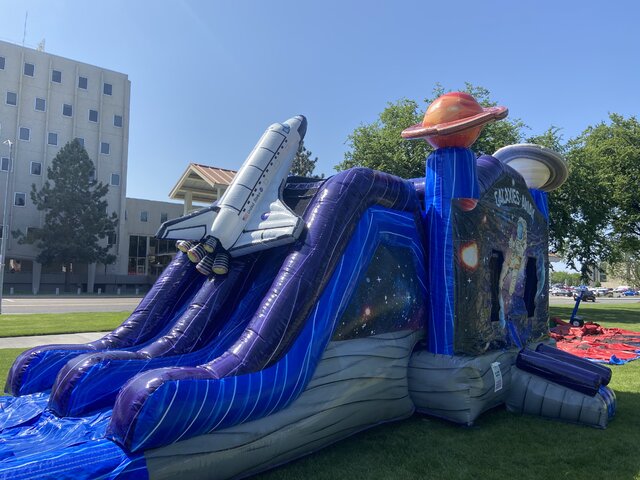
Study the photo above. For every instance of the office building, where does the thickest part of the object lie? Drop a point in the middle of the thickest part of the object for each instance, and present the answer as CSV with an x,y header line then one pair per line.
x,y
46,101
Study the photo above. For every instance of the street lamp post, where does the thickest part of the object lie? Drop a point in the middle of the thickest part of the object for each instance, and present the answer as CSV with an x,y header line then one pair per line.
x,y
5,225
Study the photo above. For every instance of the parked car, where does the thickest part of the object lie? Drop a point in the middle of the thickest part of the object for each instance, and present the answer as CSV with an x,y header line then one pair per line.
x,y
604,292
587,296
629,293
561,292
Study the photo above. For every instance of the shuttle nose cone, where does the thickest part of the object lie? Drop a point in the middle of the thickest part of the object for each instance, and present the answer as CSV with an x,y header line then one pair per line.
x,y
302,128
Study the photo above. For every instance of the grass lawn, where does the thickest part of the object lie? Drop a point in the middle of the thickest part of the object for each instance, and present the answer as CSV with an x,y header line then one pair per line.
x,y
51,323
499,446
7,356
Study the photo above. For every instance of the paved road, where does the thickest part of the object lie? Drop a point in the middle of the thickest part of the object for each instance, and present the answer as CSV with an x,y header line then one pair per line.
x,y
118,304
68,304
37,340
553,300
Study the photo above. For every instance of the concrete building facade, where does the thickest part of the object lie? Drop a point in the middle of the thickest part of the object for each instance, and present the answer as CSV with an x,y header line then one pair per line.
x,y
146,255
45,102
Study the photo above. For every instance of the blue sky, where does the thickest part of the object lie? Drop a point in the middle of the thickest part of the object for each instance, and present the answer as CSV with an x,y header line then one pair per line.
x,y
209,76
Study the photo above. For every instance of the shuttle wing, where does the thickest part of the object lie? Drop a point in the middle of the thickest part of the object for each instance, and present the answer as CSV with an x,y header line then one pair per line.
x,y
194,226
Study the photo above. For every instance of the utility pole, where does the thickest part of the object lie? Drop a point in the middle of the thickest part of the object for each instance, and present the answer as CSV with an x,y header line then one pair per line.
x,y
5,226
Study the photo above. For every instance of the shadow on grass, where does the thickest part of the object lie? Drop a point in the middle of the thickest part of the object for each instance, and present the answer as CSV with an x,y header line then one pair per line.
x,y
500,445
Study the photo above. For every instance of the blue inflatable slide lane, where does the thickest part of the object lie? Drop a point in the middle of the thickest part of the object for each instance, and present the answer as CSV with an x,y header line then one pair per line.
x,y
296,347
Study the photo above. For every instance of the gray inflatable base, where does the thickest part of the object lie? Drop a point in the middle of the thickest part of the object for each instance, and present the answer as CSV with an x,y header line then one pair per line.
x,y
459,388
357,384
534,395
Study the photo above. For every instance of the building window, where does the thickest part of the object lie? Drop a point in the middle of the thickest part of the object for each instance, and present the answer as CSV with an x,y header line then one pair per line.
x,y
12,98
93,116
161,247
117,120
25,134
92,176
36,168
56,76
4,164
83,82
80,140
1,229
144,216
29,69
105,148
52,138
115,179
20,199
15,265
67,110
137,255
107,89
1,63
41,104
164,217
112,239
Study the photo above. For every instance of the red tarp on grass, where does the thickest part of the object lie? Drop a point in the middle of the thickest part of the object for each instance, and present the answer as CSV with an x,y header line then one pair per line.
x,y
591,341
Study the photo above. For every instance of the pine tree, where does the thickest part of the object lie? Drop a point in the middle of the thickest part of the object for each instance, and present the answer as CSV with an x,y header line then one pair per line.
x,y
75,209
303,165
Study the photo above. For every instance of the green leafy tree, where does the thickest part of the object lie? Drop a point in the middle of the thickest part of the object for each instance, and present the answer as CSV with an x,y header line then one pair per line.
x,y
579,211
595,215
614,151
303,164
565,278
628,269
575,232
551,138
74,206
379,145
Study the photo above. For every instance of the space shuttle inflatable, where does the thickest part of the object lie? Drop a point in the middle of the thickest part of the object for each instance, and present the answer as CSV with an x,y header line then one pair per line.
x,y
250,216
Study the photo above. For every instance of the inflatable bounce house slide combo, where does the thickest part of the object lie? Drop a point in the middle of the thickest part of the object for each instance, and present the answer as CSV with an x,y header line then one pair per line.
x,y
300,311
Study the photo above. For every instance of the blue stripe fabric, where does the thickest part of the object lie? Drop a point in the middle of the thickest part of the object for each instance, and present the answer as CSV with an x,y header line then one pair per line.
x,y
187,407
450,173
542,202
101,382
98,460
513,334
